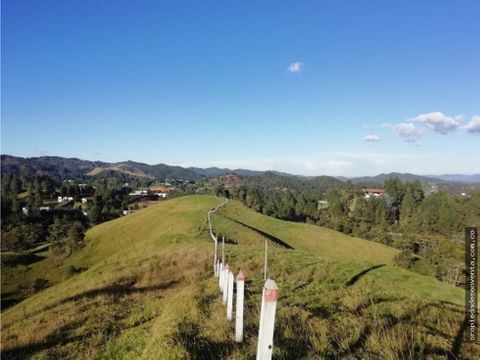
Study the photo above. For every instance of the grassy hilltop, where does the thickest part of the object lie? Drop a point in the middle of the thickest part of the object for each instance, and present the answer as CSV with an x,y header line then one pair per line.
x,y
144,288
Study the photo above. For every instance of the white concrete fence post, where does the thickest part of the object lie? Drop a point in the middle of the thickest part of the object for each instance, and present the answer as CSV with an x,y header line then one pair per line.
x,y
225,283
215,255
239,307
267,320
217,268
230,296
220,277
223,249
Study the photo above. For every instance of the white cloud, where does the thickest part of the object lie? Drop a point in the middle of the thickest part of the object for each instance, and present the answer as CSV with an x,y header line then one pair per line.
x,y
406,131
295,67
371,138
365,126
473,127
438,121
412,129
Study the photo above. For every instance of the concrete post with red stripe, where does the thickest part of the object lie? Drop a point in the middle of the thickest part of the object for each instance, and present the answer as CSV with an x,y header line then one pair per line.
x,y
267,320
240,280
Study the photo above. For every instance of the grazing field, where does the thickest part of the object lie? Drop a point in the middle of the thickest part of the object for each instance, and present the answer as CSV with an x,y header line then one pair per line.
x,y
311,238
145,289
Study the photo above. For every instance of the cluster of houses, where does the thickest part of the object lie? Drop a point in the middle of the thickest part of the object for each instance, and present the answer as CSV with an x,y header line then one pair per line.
x,y
373,193
145,193
63,199
25,210
139,193
367,194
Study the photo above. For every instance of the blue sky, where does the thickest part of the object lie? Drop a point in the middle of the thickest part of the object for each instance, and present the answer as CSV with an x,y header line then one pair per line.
x,y
312,87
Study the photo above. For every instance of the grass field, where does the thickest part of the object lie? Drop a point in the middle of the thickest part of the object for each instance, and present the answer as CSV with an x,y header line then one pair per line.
x,y
146,290
306,237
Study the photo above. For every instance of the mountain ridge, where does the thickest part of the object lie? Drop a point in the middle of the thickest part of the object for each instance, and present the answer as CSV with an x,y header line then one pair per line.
x,y
62,168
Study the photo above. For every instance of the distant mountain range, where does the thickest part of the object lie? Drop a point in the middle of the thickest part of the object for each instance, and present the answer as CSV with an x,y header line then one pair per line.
x,y
438,179
404,177
466,179
215,171
60,168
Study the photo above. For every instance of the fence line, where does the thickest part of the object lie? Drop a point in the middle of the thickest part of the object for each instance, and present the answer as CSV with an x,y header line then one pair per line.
x,y
212,235
226,284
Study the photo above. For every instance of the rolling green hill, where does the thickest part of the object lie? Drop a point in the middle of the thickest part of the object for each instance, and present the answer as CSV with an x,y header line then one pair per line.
x,y
144,288
306,237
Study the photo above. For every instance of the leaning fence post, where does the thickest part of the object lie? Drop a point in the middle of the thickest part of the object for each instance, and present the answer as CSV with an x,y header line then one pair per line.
x,y
239,307
225,283
230,296
265,261
267,320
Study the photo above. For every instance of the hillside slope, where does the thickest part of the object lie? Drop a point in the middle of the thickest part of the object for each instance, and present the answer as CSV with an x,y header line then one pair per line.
x,y
315,239
146,290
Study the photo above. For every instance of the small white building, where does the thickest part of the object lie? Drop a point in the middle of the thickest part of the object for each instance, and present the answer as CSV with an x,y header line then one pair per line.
x,y
139,193
84,200
162,194
25,211
44,208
